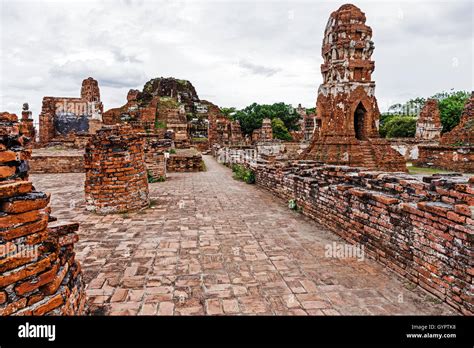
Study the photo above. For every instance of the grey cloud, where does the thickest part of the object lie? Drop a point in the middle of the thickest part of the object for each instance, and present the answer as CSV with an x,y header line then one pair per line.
x,y
258,69
110,75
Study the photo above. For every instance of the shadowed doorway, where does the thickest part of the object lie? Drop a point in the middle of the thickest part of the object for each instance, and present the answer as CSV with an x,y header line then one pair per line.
x,y
359,121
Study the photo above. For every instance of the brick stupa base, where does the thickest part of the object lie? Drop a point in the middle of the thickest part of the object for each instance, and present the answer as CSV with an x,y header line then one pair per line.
x,y
116,176
373,154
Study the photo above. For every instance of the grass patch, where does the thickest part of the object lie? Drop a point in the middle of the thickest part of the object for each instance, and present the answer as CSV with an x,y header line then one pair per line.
x,y
152,179
160,124
294,206
242,173
421,170
203,167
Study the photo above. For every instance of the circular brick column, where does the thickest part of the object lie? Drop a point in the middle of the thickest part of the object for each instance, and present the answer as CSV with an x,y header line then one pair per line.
x,y
116,177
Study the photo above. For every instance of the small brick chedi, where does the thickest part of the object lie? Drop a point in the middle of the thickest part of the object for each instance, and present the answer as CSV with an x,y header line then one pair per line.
x,y
116,176
38,271
264,133
428,125
346,100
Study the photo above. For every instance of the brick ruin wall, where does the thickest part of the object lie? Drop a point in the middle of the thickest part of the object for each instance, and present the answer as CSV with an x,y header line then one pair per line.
x,y
155,159
456,158
38,271
409,147
56,164
421,229
456,149
116,176
181,163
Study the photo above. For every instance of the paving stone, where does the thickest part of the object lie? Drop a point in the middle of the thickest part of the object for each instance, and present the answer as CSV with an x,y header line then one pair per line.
x,y
232,249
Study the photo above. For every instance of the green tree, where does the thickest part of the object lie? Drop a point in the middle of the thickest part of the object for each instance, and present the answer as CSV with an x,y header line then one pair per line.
x,y
251,116
280,131
310,111
228,112
450,107
398,126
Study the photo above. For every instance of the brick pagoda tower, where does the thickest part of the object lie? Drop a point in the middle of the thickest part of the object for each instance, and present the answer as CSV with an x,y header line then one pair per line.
x,y
428,125
346,102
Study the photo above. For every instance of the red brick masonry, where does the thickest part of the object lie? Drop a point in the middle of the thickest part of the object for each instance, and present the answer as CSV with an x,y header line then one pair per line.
x,y
421,229
116,176
38,271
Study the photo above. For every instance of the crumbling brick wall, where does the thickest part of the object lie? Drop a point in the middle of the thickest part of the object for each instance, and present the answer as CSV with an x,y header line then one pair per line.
x,y
38,271
116,177
457,158
456,149
185,161
421,229
155,159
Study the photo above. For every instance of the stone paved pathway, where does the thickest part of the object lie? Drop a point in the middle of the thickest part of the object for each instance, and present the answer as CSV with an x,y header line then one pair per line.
x,y
213,245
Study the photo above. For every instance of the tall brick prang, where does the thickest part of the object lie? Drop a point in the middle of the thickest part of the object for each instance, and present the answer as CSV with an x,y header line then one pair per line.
x,y
116,176
346,102
38,271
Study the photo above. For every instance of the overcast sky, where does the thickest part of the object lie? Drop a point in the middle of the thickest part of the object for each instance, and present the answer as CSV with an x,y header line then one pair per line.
x,y
233,52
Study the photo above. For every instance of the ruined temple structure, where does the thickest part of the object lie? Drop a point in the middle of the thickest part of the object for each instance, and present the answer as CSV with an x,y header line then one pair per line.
x,y
428,125
456,148
264,133
346,102
164,103
173,105
39,274
69,121
116,175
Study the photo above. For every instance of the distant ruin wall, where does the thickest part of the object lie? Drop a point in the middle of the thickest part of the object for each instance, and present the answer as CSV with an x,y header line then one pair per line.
x,y
408,147
456,158
56,164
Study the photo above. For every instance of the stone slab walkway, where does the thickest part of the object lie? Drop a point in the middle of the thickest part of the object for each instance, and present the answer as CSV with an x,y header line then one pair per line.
x,y
213,245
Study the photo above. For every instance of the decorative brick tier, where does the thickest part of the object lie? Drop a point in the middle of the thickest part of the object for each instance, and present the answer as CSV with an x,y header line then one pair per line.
x,y
116,177
38,271
457,158
421,229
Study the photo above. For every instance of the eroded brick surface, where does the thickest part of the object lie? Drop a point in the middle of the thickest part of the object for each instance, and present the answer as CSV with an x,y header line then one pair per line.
x,y
213,245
